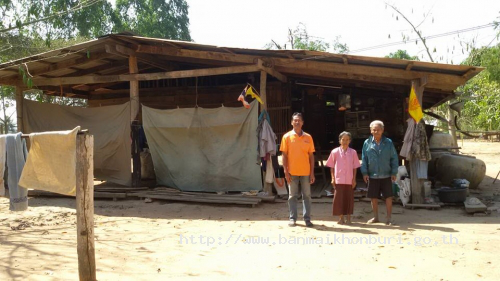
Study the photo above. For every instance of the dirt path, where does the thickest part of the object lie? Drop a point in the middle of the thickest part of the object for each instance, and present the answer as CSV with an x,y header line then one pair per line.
x,y
156,241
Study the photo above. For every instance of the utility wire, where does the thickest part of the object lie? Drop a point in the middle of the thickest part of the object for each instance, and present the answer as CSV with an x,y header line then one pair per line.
x,y
425,38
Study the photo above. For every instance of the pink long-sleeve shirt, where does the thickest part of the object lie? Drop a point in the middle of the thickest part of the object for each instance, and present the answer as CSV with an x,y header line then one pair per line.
x,y
344,162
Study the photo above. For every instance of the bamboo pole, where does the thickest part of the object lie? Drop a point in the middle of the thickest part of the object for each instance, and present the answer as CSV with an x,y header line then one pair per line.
x,y
85,207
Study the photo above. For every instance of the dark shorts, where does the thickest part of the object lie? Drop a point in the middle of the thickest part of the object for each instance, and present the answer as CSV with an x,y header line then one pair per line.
x,y
378,186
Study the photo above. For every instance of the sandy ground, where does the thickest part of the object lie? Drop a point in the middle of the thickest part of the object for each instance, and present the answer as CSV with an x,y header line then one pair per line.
x,y
160,240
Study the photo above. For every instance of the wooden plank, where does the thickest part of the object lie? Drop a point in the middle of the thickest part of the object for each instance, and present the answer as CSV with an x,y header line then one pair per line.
x,y
196,199
123,51
113,195
427,206
271,71
147,76
19,108
219,197
85,207
66,64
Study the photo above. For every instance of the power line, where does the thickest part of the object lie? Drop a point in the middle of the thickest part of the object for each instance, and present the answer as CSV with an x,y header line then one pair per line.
x,y
425,38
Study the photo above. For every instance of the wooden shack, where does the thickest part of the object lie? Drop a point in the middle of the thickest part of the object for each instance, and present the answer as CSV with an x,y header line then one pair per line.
x,y
335,92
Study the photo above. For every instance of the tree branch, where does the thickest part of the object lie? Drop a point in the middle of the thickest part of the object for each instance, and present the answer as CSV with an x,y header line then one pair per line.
x,y
78,7
414,28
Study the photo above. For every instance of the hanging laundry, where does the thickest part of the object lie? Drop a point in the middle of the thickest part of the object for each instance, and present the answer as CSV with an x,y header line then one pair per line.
x,y
16,158
266,136
51,163
2,164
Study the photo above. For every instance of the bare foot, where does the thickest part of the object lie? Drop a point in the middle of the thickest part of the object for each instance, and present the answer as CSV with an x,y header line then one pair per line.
x,y
389,222
341,221
373,220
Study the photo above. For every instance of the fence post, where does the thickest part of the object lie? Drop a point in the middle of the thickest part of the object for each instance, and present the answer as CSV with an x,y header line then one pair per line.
x,y
85,206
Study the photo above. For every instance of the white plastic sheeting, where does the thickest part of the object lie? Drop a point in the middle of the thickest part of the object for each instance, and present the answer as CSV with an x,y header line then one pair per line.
x,y
110,126
198,149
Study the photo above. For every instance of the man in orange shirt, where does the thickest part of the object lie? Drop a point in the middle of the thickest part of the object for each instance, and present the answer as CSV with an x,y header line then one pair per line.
x,y
297,147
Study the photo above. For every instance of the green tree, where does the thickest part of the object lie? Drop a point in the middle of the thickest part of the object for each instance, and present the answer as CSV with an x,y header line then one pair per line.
x,y
482,93
54,19
299,39
401,54
162,19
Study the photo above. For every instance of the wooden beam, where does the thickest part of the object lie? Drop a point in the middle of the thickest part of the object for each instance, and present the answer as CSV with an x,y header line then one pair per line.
x,y
66,64
205,55
374,71
315,73
271,71
85,206
19,108
147,76
285,63
229,51
409,66
123,51
470,73
95,69
345,60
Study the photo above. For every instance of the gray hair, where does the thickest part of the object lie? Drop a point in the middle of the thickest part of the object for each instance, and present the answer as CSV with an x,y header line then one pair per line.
x,y
377,123
344,133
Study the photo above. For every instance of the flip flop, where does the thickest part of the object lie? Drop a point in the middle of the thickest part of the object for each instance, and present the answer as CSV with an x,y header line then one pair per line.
x,y
373,220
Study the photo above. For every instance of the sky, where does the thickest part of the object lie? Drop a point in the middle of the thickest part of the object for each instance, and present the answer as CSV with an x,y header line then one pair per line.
x,y
359,23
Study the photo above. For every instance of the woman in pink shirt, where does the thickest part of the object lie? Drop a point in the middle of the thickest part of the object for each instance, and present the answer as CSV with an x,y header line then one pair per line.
x,y
343,162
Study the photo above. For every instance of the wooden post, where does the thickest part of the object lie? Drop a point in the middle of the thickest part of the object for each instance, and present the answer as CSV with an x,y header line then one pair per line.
x,y
136,155
19,108
263,85
268,187
134,110
134,89
417,185
85,206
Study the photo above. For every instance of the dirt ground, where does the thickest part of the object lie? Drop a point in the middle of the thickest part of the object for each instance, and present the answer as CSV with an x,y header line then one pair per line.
x,y
159,240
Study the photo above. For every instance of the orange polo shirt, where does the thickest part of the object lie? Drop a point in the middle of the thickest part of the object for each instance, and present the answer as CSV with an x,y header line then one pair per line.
x,y
298,149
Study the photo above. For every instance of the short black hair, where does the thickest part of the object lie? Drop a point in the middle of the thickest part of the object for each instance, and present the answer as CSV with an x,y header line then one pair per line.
x,y
298,114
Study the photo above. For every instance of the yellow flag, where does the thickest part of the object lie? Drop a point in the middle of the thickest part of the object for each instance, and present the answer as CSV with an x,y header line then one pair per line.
x,y
250,92
414,107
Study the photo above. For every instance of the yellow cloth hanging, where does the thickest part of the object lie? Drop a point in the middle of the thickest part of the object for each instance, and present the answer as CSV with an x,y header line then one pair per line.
x,y
250,92
414,107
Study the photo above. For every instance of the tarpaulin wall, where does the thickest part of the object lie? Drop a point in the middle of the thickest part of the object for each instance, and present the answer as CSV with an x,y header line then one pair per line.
x,y
110,126
198,149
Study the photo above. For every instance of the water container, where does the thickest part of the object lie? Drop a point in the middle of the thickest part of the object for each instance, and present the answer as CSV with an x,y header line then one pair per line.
x,y
450,167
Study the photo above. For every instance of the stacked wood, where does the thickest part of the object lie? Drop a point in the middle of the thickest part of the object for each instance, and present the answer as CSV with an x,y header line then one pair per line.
x,y
171,194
